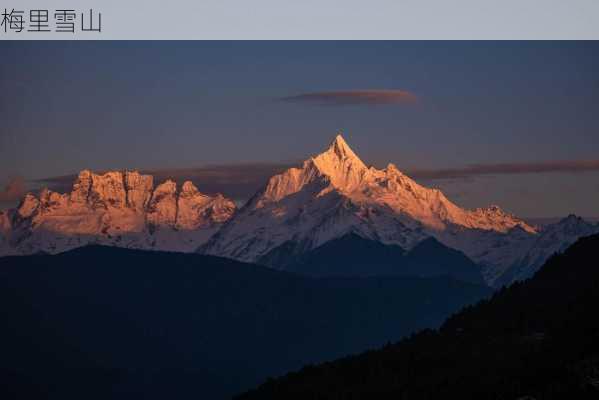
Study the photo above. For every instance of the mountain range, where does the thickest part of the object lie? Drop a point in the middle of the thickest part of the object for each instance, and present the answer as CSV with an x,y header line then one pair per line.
x,y
536,339
111,323
330,201
115,208
334,194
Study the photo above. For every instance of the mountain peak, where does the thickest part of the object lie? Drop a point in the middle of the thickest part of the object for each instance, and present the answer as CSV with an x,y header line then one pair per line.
x,y
339,143
338,164
189,188
570,218
334,192
573,221
341,149
341,165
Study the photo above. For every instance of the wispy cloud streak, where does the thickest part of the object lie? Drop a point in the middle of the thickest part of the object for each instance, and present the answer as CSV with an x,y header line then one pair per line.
x,y
572,166
241,181
354,97
238,181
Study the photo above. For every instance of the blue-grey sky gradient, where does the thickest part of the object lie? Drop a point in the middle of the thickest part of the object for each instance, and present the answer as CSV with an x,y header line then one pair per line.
x,y
171,105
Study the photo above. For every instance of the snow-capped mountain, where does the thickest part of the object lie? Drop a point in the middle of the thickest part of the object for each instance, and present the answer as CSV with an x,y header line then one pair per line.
x,y
553,238
335,193
331,196
115,208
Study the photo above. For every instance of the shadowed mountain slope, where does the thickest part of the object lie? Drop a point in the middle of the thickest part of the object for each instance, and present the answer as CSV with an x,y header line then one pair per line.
x,y
106,322
536,339
352,255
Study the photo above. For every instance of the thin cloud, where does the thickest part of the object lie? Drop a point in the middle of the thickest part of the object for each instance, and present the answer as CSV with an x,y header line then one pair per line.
x,y
354,97
241,181
238,181
573,166
14,190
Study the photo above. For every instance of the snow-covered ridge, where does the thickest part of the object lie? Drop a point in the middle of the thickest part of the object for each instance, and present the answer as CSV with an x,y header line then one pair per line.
x,y
330,195
120,208
553,238
335,193
341,170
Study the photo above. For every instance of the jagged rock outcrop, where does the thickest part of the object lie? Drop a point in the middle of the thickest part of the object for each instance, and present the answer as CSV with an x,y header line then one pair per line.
x,y
138,189
162,209
116,208
196,210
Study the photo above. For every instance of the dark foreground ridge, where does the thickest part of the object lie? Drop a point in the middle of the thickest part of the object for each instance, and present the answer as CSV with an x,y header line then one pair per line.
x,y
536,339
101,322
352,255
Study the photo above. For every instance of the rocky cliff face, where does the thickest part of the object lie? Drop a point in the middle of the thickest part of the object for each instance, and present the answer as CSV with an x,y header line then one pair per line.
x,y
117,208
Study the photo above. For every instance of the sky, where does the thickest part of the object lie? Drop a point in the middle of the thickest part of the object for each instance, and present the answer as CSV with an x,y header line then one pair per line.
x,y
508,123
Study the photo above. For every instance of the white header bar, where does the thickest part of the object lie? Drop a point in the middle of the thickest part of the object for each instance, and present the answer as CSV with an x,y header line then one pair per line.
x,y
305,19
